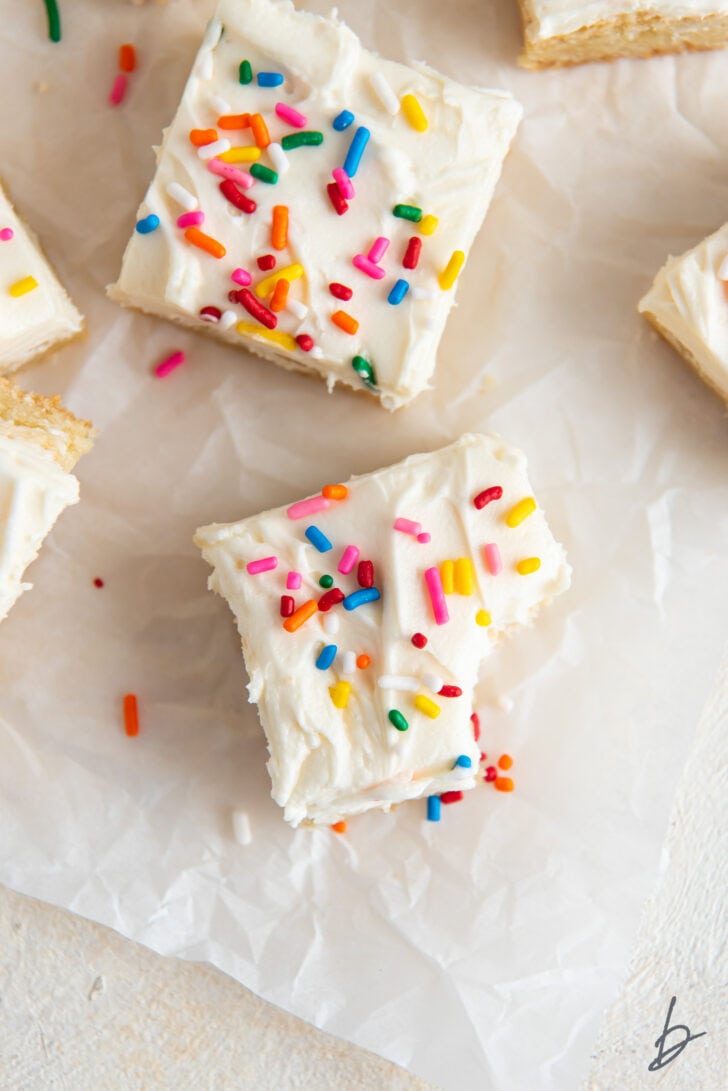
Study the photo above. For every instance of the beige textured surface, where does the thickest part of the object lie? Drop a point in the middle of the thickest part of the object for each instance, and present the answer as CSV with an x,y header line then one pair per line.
x,y
84,1010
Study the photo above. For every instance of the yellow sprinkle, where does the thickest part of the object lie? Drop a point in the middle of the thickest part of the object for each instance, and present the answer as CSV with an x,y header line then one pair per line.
x,y
266,286
340,694
483,618
424,704
528,565
414,113
464,576
22,287
247,329
521,511
428,225
240,155
447,570
451,272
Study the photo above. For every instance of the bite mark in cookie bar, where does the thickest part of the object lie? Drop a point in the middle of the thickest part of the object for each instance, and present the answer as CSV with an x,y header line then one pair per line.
x,y
365,612
360,183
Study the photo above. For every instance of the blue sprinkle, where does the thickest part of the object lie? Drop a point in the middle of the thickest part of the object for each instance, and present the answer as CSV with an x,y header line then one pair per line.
x,y
269,79
326,656
343,120
433,808
359,142
317,538
463,762
148,224
399,291
359,598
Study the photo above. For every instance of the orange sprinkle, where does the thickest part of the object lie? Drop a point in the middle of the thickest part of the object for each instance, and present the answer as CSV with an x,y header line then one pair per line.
x,y
279,230
127,58
280,294
504,784
339,827
205,242
200,137
335,492
261,136
131,714
363,661
505,761
234,121
345,322
300,616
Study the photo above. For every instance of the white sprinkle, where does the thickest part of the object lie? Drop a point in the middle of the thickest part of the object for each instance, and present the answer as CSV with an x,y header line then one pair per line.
x,y
227,320
505,703
317,352
182,196
204,65
331,624
278,158
213,33
398,681
209,151
298,310
723,269
220,104
422,293
241,827
384,93
433,682
348,665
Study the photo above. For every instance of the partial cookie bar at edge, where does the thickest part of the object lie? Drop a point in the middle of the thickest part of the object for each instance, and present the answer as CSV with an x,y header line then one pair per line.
x,y
314,203
448,548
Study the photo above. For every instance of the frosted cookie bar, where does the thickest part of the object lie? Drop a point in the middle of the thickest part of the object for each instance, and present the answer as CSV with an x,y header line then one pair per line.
x,y
562,32
365,612
688,305
35,313
314,203
40,443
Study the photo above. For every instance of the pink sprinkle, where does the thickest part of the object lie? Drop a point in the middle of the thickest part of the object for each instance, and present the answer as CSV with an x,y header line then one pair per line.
x,y
6,234
118,89
299,121
366,266
241,276
407,526
191,219
308,507
348,559
493,559
344,182
265,564
437,595
424,538
169,364
233,174
294,581
378,249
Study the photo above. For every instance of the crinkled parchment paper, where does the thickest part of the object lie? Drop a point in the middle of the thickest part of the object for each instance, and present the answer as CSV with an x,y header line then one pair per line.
x,y
479,952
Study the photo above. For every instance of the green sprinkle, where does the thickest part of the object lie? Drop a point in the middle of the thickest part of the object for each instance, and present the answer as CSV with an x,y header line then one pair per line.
x,y
365,370
408,212
264,174
246,72
299,140
54,20
326,581
396,718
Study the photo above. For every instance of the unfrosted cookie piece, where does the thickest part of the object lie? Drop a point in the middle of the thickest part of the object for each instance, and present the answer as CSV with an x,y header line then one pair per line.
x,y
35,313
40,443
688,305
314,203
564,32
365,612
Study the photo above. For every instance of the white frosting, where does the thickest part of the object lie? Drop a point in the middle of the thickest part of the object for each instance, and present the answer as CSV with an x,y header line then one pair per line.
x,y
448,171
552,18
39,319
688,299
34,490
326,762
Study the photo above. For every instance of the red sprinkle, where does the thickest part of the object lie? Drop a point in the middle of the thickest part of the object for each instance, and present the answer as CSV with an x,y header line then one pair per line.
x,y
340,205
127,58
98,582
231,192
475,721
304,342
412,253
210,314
419,640
340,290
490,774
332,598
365,574
450,691
131,714
451,797
255,308
487,496
266,262
287,605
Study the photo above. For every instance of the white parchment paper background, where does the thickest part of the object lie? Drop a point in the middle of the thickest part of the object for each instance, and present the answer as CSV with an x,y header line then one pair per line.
x,y
480,952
